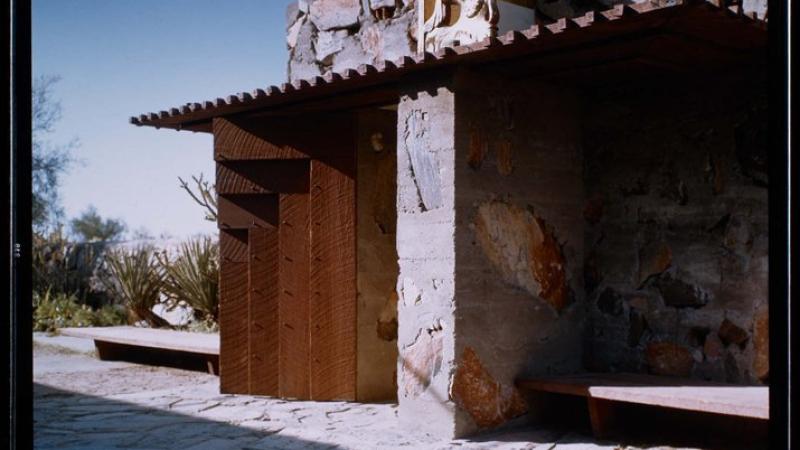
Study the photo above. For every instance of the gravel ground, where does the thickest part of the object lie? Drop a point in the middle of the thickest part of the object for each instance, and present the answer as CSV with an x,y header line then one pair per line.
x,y
83,403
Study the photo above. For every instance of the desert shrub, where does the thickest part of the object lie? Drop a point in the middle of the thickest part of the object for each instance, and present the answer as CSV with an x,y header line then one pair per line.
x,y
63,267
52,311
110,315
192,278
135,277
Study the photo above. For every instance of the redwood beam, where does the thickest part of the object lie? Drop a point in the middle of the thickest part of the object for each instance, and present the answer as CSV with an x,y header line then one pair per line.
x,y
247,139
262,177
246,211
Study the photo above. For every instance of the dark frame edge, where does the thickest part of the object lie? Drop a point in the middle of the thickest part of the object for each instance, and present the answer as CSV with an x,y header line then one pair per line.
x,y
19,249
780,311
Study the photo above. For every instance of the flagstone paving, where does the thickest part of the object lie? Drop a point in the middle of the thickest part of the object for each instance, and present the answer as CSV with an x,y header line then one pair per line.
x,y
83,403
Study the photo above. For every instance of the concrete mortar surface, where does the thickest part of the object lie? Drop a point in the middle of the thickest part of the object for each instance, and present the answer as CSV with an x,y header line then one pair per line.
x,y
81,402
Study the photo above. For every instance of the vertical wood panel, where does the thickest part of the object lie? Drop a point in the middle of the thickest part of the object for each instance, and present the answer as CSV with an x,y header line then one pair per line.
x,y
293,296
233,312
263,305
333,280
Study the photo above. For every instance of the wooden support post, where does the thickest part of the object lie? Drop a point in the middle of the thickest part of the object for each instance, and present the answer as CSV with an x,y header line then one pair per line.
x,y
233,312
293,262
263,311
333,280
602,416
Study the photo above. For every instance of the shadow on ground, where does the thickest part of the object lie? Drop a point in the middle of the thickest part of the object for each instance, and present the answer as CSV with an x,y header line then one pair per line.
x,y
69,420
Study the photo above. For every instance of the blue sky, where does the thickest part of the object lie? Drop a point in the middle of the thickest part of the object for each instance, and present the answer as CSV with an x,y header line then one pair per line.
x,y
121,58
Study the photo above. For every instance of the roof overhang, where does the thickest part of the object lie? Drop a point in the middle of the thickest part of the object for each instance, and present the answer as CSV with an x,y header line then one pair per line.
x,y
622,44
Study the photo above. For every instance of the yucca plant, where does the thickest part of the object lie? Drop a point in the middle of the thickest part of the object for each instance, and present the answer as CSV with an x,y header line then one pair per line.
x,y
136,277
192,278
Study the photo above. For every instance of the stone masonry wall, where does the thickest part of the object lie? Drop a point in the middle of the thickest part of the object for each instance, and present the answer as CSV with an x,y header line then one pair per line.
x,y
325,35
676,230
519,243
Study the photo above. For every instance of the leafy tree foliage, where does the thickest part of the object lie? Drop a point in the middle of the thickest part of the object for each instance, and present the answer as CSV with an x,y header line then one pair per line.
x,y
90,227
49,161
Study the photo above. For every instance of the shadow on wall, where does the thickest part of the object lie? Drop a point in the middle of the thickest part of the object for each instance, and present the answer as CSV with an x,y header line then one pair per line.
x,y
79,421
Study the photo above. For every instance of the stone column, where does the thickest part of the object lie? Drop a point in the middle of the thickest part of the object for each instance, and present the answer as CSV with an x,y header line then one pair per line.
x,y
426,250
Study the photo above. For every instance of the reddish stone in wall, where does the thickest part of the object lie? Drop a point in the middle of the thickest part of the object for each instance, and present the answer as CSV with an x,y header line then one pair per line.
x,y
548,265
502,230
478,148
730,333
505,157
667,358
488,402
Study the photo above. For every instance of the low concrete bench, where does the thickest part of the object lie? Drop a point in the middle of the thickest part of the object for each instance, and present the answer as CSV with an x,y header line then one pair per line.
x,y
150,345
604,391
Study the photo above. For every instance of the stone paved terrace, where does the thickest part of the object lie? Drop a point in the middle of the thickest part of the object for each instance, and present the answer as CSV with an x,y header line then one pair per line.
x,y
84,403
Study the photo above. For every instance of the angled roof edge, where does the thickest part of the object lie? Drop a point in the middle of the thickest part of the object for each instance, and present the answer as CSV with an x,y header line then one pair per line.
x,y
536,38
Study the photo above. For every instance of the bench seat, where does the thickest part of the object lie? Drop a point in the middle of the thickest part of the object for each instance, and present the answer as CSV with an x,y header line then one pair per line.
x,y
603,390
114,342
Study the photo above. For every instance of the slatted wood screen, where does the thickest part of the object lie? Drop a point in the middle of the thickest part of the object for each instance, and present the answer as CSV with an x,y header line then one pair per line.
x,y
288,257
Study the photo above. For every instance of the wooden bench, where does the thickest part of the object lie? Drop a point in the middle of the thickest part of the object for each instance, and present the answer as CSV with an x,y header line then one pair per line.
x,y
604,391
152,345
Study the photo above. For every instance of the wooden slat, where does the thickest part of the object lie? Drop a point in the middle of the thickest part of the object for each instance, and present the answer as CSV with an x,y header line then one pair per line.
x,y
245,211
333,281
670,392
293,296
248,140
233,314
263,311
262,177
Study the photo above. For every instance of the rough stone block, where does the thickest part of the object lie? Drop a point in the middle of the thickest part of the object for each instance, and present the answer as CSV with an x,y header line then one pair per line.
x,y
680,294
667,358
332,14
524,250
421,361
328,44
488,403
730,333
